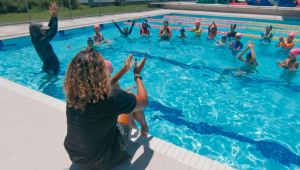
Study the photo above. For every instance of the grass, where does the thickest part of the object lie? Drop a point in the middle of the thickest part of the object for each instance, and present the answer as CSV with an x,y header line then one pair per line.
x,y
65,13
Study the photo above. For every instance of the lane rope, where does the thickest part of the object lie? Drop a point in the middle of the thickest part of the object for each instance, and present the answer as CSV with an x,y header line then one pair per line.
x,y
222,25
219,32
233,21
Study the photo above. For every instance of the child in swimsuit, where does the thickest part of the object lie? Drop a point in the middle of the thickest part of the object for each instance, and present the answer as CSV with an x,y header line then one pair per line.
x,y
197,29
165,32
267,36
125,30
251,62
231,34
291,63
237,45
148,26
144,30
212,30
182,34
289,44
223,41
98,37
90,42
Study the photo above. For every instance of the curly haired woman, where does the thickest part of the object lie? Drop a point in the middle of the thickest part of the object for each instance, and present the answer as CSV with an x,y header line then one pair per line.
x,y
98,116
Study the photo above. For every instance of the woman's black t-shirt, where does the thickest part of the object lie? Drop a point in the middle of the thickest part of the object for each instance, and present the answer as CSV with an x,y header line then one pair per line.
x,y
92,136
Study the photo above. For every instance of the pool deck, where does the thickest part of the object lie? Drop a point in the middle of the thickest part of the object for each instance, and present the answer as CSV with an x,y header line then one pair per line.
x,y
33,125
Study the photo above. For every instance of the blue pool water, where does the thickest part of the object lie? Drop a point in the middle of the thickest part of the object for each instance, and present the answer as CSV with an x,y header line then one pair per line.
x,y
246,122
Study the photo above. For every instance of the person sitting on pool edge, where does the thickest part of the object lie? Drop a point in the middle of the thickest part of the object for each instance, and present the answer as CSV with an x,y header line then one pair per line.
x,y
267,36
125,30
139,116
98,37
287,45
182,34
291,63
212,30
144,30
99,117
231,34
90,42
197,29
165,32
237,45
223,41
41,37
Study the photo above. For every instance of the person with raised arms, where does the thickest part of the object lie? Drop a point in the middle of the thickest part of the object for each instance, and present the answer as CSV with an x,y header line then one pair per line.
x,y
125,30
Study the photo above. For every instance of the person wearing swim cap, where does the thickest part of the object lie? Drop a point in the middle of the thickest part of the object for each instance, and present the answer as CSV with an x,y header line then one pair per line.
x,y
148,26
231,34
98,37
139,116
223,41
182,34
291,63
237,45
197,29
267,36
165,32
287,45
41,37
90,43
212,30
125,30
144,30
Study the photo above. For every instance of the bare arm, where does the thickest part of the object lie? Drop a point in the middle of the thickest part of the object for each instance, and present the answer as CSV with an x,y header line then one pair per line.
x,y
240,57
142,96
170,33
127,65
295,66
160,33
281,64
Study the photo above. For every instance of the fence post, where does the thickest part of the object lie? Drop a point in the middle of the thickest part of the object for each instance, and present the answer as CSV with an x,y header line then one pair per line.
x,y
27,10
100,7
139,5
70,9
122,6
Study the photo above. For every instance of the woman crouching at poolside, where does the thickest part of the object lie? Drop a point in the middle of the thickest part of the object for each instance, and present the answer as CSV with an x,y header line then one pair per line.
x,y
98,117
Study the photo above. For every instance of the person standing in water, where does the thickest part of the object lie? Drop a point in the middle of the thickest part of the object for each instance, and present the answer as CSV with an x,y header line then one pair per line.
x,y
286,45
182,34
237,45
267,36
212,30
197,29
41,37
231,34
98,37
165,32
144,30
125,30
291,63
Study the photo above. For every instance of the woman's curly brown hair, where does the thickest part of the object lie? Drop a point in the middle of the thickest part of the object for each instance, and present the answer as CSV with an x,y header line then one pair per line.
x,y
87,79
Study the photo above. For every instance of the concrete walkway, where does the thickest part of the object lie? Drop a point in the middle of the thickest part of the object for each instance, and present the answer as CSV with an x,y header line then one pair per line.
x,y
33,127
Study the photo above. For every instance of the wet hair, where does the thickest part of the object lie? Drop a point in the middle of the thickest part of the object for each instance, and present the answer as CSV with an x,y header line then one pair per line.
x,y
87,79
234,25
249,56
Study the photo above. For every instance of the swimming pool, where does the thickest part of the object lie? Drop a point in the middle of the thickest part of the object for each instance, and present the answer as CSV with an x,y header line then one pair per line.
x,y
249,122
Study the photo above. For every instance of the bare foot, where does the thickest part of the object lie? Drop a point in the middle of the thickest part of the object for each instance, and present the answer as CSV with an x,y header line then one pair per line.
x,y
144,130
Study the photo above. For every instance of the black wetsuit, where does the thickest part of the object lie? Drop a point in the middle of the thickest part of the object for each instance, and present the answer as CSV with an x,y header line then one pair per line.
x,y
122,32
45,50
229,34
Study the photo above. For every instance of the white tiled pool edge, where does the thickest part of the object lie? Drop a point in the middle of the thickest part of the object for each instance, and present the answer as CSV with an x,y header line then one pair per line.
x,y
180,154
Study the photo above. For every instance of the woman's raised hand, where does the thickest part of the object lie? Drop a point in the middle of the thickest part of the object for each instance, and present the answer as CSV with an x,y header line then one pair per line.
x,y
138,68
128,63
53,9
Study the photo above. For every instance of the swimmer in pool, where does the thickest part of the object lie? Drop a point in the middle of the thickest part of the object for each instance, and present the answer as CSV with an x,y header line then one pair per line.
x,y
291,63
165,32
90,43
148,26
98,37
286,45
267,36
251,62
197,29
231,34
182,34
144,30
125,30
139,116
41,37
212,30
223,41
237,45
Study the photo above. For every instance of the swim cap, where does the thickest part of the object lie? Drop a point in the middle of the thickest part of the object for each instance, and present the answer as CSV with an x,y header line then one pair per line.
x,y
269,26
197,22
234,25
109,65
96,26
295,52
90,39
166,21
239,34
213,26
144,23
146,20
292,34
249,56
182,29
224,36
126,27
